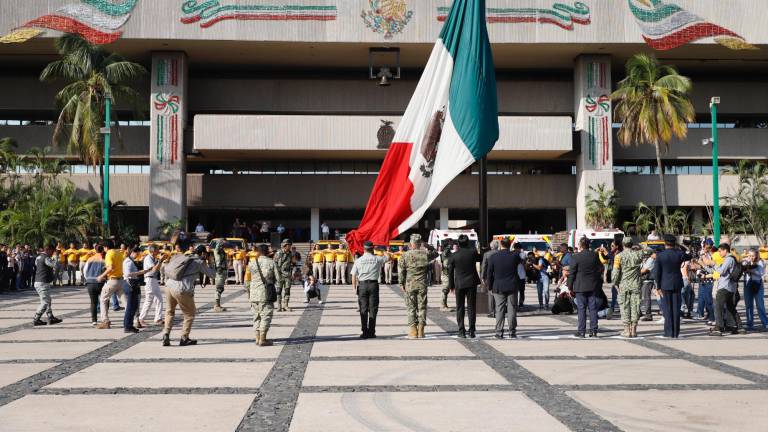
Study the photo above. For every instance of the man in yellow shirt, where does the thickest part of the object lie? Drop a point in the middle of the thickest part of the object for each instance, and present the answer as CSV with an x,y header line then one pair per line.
x,y
250,256
330,264
238,263
317,262
72,263
342,259
113,281
84,253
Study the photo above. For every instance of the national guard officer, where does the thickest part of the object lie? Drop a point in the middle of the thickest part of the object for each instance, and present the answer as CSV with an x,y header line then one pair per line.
x,y
284,264
263,274
220,262
412,277
626,276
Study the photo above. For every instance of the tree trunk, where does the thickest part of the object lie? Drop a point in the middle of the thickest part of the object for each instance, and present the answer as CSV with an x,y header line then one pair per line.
x,y
662,186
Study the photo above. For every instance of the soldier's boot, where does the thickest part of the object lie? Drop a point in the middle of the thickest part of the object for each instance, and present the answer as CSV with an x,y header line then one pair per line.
x,y
444,307
280,303
420,331
218,308
412,332
258,335
627,333
263,341
634,330
286,308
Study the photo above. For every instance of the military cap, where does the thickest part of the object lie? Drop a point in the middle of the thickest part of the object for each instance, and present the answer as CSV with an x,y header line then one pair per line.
x,y
287,242
415,238
627,240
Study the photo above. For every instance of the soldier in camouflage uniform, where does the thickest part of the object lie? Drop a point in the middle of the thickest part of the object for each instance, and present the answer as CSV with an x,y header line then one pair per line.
x,y
284,264
220,264
447,252
626,276
262,308
412,277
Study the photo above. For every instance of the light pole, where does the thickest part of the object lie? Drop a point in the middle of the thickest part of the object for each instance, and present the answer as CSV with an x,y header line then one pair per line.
x,y
107,131
715,173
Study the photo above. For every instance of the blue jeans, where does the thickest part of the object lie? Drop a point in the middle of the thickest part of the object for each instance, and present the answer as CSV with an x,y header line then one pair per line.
x,y
115,302
750,299
614,297
542,287
705,301
688,297
132,293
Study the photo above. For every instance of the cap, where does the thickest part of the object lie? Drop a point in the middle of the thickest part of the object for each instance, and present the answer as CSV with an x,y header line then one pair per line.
x,y
415,238
709,242
368,244
670,239
626,240
287,242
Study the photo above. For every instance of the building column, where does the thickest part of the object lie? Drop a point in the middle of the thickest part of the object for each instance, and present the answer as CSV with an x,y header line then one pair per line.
x,y
444,219
570,218
698,217
314,224
594,117
168,115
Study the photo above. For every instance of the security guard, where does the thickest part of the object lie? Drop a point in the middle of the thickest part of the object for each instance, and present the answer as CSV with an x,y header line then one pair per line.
x,y
412,277
284,263
330,263
342,260
365,282
220,263
626,276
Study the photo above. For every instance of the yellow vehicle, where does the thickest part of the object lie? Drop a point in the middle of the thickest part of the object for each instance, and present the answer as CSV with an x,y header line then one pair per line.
x,y
395,245
654,245
528,242
325,244
229,244
764,253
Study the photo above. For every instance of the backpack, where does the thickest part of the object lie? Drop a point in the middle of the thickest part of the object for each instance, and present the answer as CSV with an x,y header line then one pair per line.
x,y
177,267
737,272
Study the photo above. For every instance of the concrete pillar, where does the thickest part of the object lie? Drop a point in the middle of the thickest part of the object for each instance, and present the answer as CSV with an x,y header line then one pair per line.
x,y
168,115
698,217
314,224
594,165
444,219
570,218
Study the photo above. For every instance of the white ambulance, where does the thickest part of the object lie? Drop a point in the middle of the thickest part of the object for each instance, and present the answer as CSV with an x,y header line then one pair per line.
x,y
438,238
528,242
596,238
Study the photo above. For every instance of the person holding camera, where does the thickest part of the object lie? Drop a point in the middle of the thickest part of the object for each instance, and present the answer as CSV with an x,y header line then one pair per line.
x,y
754,292
726,278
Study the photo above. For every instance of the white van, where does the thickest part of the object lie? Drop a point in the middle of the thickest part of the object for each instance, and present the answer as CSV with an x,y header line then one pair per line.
x,y
596,238
438,238
528,242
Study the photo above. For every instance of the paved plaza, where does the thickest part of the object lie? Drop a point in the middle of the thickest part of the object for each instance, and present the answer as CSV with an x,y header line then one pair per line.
x,y
320,377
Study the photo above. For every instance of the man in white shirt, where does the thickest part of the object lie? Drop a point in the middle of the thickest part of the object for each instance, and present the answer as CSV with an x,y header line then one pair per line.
x,y
326,230
199,228
153,296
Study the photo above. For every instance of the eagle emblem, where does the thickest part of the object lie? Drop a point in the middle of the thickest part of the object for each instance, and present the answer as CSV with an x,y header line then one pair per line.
x,y
385,135
388,17
431,142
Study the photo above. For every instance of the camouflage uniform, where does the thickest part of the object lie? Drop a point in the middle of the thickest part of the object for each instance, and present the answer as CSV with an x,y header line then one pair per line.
x,y
626,276
220,262
262,310
444,261
284,265
412,276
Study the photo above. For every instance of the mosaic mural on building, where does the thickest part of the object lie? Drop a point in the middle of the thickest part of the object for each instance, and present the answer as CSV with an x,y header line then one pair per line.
x,y
211,12
387,17
563,15
98,21
666,26
165,108
594,114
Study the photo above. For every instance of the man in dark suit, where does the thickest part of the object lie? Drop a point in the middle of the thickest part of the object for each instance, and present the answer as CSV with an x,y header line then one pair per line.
x,y
484,277
669,283
463,280
504,281
585,278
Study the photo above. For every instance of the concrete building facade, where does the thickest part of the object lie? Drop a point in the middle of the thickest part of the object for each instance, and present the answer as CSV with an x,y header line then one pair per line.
x,y
265,110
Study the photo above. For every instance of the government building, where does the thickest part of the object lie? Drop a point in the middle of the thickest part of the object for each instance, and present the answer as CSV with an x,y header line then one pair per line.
x,y
282,110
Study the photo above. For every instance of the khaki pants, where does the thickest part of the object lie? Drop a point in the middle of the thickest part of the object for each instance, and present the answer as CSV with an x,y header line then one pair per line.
x,y
113,286
82,273
187,304
262,315
238,267
317,271
388,272
329,272
341,273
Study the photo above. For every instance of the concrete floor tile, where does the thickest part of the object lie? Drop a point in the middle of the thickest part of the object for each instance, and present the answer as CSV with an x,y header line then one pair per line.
x,y
662,411
12,372
394,372
203,350
54,333
11,322
718,346
46,350
235,333
416,411
756,366
352,331
168,375
389,347
574,348
607,372
93,413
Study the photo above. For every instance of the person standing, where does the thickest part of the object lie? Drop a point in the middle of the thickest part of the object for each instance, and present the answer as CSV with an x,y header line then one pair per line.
x,y
725,299
463,281
585,278
365,282
388,266
325,230
262,294
504,281
484,277
132,288
649,281
412,277
518,249
542,266
153,296
688,271
45,268
329,257
342,258
238,263
669,283
72,263
182,273
94,267
112,277
754,293
84,253
284,265
317,262
221,267
626,278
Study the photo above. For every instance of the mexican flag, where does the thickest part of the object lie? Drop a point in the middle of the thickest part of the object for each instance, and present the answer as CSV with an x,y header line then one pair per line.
x,y
451,122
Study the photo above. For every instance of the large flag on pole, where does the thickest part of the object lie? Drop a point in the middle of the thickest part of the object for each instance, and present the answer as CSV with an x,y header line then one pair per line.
x,y
451,122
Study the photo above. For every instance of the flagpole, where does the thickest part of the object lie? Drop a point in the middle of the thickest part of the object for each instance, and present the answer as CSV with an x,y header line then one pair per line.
x,y
483,235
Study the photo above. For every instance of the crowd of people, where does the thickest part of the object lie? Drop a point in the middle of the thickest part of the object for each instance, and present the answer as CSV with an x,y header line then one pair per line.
x,y
572,280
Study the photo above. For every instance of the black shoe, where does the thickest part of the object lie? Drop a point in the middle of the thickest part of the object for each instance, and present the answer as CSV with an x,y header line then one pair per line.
x,y
593,334
491,315
38,322
499,336
462,334
513,335
53,320
472,335
131,330
579,335
371,335
166,340
187,341
364,335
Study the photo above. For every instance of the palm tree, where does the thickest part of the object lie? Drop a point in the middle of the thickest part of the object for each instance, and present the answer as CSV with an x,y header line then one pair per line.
x,y
653,106
91,74
602,207
751,198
